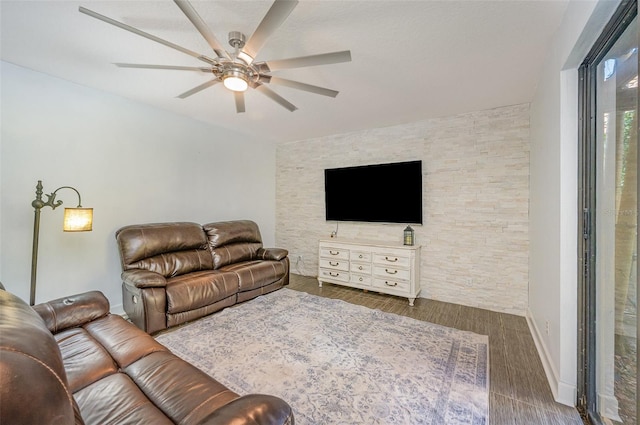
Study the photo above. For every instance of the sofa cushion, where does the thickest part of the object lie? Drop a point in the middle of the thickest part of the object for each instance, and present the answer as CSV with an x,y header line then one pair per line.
x,y
199,289
117,400
257,273
85,361
124,343
156,375
170,249
233,241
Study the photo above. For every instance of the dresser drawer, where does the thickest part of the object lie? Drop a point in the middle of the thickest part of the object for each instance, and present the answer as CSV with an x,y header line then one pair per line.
x,y
336,253
391,259
391,284
334,275
361,256
328,263
361,268
391,272
362,280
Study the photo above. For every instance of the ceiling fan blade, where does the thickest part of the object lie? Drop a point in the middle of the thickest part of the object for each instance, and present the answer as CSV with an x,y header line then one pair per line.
x,y
198,88
202,28
303,86
172,67
275,97
304,61
239,97
145,35
277,14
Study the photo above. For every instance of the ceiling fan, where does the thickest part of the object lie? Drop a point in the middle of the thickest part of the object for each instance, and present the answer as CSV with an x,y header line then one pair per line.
x,y
237,69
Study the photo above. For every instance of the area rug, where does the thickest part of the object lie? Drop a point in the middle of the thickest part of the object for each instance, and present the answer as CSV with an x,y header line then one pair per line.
x,y
339,363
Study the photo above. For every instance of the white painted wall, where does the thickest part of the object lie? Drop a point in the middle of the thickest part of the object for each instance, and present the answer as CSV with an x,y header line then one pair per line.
x,y
553,260
475,166
130,162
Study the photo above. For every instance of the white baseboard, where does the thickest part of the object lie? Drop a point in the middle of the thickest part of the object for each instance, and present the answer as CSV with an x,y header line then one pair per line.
x,y
608,407
562,392
567,394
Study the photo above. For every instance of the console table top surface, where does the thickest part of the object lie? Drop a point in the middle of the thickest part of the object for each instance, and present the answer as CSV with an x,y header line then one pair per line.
x,y
374,243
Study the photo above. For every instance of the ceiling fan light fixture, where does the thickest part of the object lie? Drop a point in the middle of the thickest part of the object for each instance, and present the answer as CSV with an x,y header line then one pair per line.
x,y
235,84
235,80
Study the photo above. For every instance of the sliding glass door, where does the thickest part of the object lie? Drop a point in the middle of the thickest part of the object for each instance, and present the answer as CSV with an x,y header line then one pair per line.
x,y
609,323
616,228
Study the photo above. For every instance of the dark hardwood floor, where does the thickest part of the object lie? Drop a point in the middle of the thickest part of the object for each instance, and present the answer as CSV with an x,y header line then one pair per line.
x,y
519,392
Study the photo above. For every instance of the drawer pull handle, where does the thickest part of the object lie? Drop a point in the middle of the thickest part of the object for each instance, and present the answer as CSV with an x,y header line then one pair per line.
x,y
393,260
334,275
361,279
334,252
331,263
360,256
359,267
391,272
388,284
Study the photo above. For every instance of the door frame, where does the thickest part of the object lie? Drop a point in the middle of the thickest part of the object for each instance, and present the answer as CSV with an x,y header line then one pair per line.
x,y
587,136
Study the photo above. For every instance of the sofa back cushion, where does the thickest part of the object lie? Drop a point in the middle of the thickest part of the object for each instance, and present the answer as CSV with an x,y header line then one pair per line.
x,y
233,241
170,249
33,383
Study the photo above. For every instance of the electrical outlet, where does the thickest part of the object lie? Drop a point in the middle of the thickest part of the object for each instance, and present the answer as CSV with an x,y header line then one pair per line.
x,y
300,258
546,326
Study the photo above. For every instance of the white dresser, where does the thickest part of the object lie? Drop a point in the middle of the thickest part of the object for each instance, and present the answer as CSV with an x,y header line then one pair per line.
x,y
375,266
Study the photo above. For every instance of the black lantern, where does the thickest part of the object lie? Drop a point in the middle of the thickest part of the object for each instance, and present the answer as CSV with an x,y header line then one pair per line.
x,y
408,236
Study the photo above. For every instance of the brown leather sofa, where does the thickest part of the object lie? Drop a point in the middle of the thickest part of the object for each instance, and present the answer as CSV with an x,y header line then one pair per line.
x,y
69,361
177,272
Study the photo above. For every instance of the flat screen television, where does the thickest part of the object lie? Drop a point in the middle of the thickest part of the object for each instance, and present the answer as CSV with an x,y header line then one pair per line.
x,y
381,193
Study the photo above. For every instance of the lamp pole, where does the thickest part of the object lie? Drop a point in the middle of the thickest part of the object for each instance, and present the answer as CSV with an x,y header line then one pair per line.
x,y
34,249
38,204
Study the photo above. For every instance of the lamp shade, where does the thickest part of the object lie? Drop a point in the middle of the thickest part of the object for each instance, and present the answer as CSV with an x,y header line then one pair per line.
x,y
78,220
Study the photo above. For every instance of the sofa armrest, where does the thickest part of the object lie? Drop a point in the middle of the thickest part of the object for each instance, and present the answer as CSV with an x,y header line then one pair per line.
x,y
252,409
143,279
73,311
273,254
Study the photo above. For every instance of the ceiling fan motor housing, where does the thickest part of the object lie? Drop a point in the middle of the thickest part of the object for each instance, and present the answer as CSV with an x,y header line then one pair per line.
x,y
237,39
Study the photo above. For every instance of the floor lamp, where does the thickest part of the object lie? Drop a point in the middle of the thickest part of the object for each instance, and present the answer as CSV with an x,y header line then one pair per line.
x,y
75,220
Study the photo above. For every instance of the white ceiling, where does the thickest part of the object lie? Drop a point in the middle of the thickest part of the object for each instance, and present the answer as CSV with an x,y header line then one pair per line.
x,y
411,59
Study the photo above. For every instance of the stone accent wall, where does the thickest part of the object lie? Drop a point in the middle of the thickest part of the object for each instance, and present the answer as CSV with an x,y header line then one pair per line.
x,y
475,166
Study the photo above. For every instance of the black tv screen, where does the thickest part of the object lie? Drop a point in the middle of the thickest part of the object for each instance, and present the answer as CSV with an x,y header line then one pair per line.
x,y
382,193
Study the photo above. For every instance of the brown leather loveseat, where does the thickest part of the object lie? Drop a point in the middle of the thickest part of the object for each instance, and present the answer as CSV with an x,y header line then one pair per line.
x,y
69,361
177,272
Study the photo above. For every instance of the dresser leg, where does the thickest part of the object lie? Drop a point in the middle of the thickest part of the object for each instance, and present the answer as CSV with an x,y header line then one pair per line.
x,y
319,283
411,300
